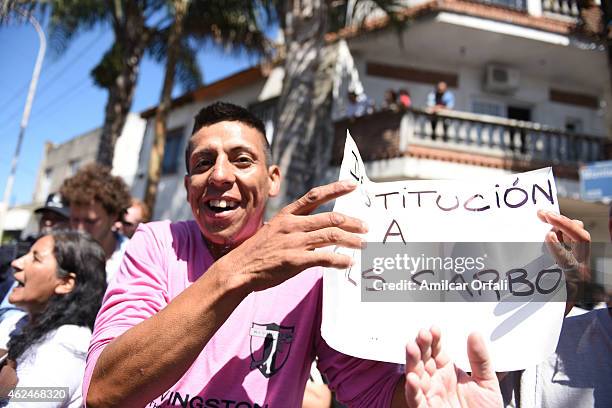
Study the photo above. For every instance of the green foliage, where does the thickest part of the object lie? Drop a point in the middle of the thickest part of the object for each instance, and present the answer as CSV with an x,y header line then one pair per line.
x,y
69,18
108,69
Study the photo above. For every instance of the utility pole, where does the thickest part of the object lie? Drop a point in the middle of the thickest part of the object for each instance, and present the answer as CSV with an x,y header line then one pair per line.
x,y
24,120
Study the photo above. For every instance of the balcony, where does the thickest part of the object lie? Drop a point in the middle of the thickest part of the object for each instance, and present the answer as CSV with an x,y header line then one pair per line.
x,y
469,138
568,8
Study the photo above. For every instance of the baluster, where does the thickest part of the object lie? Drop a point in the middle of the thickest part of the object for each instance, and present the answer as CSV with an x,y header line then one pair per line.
x,y
450,130
589,150
489,131
575,10
565,8
579,149
507,139
538,144
571,148
462,135
476,133
419,127
512,139
557,148
435,124
496,137
547,146
416,126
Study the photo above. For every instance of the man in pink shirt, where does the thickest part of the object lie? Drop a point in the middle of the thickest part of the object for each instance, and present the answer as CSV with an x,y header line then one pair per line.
x,y
225,311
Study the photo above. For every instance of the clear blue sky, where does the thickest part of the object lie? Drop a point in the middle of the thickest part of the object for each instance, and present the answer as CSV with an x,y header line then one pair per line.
x,y
67,103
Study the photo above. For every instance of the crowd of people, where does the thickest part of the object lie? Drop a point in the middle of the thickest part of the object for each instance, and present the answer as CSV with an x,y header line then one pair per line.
x,y
225,310
359,104
53,290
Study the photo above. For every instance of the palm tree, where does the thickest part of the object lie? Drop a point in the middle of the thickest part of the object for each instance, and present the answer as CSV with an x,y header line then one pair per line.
x,y
304,130
145,26
234,24
134,24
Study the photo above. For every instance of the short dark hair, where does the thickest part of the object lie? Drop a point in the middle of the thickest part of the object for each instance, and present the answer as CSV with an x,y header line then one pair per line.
x,y
224,111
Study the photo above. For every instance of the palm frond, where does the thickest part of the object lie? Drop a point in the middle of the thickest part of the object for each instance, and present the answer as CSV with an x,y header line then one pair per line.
x,y
69,18
188,73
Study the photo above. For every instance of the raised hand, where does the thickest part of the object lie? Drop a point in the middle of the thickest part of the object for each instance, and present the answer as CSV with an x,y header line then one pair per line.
x,y
570,245
432,380
285,246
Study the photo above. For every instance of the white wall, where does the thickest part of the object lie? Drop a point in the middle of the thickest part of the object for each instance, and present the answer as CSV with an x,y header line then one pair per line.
x,y
127,148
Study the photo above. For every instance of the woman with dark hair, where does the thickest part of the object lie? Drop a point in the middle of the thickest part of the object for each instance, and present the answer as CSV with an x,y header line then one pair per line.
x,y
61,282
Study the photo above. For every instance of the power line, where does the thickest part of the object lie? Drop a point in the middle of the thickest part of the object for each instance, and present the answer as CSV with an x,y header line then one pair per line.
x,y
83,51
69,91
52,103
47,83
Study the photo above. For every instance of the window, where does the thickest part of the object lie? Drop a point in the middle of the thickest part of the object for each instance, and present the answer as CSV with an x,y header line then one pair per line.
x,y
74,166
172,151
573,125
487,108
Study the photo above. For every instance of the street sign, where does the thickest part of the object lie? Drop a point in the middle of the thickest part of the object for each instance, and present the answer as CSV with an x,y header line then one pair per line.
x,y
596,181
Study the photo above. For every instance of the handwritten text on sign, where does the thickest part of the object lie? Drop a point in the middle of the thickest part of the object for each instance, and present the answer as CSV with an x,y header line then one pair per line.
x,y
437,215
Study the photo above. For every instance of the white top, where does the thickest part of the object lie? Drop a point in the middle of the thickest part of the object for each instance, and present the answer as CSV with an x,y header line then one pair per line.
x,y
113,263
7,325
58,361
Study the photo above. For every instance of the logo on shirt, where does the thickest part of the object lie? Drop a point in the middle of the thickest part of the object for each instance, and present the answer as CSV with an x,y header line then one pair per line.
x,y
270,347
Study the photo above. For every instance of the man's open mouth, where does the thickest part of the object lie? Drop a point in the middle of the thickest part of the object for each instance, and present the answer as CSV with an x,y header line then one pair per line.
x,y
219,206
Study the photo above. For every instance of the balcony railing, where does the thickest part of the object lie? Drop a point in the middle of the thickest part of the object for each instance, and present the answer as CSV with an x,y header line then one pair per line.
x,y
564,7
387,134
520,5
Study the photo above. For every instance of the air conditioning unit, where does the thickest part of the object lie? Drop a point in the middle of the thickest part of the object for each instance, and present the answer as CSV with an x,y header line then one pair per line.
x,y
499,78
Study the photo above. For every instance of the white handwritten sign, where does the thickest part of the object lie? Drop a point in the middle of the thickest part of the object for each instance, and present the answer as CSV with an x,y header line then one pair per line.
x,y
520,329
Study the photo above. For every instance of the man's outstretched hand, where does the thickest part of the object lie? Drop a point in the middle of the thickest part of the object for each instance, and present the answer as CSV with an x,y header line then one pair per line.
x,y
285,246
432,380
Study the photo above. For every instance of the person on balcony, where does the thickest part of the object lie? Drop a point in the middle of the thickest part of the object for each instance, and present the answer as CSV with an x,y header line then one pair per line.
x,y
390,101
358,105
404,99
438,100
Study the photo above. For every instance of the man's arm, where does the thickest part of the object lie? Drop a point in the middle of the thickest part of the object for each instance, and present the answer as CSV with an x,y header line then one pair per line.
x,y
150,357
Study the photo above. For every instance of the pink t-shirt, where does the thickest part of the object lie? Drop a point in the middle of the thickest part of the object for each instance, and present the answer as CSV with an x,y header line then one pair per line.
x,y
260,357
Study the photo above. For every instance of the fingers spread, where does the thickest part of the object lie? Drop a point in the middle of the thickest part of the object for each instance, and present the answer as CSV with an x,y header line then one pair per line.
x,y
332,219
332,236
480,362
424,340
436,347
325,259
413,358
319,195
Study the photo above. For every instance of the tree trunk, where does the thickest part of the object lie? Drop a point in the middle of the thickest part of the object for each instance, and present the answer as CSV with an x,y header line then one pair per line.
x,y
133,38
304,132
161,114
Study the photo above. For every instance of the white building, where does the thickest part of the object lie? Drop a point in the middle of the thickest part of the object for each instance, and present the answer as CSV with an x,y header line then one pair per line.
x,y
63,160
